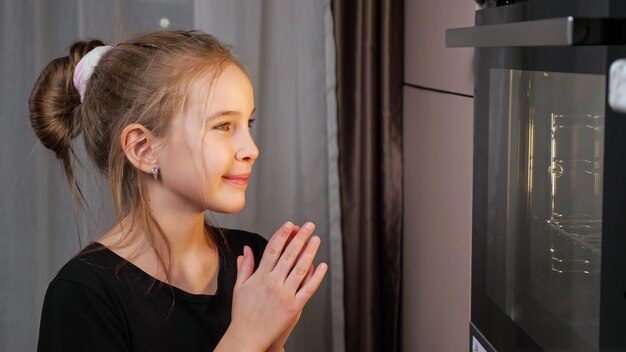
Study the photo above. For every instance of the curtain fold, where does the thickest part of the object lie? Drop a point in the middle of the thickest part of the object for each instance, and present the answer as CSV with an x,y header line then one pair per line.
x,y
334,197
369,37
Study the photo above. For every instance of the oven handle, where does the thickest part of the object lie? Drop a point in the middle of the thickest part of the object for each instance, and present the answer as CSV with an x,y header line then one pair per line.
x,y
563,31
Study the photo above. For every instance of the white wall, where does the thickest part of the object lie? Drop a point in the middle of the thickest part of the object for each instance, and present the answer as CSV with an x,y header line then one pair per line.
x,y
438,144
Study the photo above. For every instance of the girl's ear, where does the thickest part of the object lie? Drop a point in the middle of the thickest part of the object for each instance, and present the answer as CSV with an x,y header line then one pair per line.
x,y
138,145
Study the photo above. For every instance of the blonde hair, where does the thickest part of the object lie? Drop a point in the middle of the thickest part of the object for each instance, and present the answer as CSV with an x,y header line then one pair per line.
x,y
145,79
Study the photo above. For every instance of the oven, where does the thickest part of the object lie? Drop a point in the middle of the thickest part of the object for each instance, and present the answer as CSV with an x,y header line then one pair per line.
x,y
549,189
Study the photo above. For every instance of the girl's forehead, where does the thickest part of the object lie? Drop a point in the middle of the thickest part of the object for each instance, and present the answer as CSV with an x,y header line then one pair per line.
x,y
231,89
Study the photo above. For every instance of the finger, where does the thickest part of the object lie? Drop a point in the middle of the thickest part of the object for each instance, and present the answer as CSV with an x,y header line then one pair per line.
x,y
246,268
275,246
308,276
309,288
297,275
239,261
288,258
294,232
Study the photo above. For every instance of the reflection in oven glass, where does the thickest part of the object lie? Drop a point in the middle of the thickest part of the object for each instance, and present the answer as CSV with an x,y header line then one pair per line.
x,y
544,233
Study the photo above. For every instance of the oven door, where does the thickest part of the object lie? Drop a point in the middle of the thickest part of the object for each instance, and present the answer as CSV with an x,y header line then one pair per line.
x,y
549,207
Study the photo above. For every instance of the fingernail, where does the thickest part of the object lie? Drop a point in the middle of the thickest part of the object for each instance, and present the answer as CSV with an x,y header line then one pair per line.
x,y
308,225
287,226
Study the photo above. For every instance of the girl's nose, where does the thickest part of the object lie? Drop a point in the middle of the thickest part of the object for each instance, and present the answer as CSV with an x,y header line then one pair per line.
x,y
248,151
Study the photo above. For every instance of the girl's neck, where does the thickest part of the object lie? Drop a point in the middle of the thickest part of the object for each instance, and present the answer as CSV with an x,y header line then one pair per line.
x,y
186,236
181,223
191,257
193,261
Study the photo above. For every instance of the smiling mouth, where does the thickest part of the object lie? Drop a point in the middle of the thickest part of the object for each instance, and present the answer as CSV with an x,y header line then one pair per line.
x,y
239,180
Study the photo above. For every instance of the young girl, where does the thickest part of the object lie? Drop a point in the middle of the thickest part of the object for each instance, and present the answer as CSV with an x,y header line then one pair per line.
x,y
167,116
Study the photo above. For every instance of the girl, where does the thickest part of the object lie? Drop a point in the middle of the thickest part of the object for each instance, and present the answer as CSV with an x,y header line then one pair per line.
x,y
166,116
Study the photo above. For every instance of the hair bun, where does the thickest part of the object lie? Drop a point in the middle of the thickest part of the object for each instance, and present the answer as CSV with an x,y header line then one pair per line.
x,y
54,99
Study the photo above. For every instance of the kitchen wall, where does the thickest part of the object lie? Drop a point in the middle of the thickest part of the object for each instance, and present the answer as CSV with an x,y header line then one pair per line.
x,y
438,133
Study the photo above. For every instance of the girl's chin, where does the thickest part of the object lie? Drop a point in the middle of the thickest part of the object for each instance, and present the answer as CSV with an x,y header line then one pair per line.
x,y
227,211
229,208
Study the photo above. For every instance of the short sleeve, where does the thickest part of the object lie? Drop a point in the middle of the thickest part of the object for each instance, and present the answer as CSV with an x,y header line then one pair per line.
x,y
76,317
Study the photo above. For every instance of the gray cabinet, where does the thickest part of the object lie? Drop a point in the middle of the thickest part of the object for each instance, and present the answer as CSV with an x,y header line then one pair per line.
x,y
428,62
437,221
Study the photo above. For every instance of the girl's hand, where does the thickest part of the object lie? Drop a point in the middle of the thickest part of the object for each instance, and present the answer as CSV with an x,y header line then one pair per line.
x,y
267,303
278,345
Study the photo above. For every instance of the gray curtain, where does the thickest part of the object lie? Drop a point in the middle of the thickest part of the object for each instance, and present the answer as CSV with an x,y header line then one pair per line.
x,y
288,49
370,62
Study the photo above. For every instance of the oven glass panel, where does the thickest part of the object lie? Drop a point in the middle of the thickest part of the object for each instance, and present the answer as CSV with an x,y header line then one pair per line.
x,y
544,236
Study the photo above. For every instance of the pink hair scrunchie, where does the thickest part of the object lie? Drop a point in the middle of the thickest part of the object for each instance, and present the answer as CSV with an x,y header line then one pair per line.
x,y
85,68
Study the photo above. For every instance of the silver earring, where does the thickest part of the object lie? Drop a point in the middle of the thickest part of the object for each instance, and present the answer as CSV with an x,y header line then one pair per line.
x,y
155,172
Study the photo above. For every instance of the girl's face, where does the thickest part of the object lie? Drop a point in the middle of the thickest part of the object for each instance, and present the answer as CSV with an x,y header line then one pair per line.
x,y
208,155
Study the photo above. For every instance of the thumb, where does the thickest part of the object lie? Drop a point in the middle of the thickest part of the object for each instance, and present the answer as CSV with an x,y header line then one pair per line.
x,y
245,265
239,261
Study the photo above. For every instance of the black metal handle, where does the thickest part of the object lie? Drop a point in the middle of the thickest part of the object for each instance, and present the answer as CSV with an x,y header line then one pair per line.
x,y
563,31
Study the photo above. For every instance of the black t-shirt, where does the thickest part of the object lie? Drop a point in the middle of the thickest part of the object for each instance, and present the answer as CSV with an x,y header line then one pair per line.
x,y
90,307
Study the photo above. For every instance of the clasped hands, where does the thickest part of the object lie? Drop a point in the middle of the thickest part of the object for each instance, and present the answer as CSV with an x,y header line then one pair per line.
x,y
268,302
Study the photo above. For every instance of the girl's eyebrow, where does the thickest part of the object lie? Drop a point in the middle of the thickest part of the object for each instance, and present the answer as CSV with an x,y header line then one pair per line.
x,y
228,112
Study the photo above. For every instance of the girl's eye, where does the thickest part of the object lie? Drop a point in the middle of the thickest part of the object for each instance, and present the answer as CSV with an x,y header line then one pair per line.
x,y
250,123
224,126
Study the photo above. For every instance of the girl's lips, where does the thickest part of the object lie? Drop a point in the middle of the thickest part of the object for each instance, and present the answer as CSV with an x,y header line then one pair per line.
x,y
240,180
